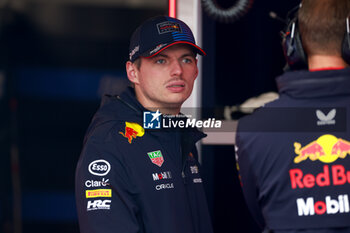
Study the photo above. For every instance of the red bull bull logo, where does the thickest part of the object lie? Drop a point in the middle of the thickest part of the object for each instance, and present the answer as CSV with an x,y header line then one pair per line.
x,y
326,148
132,130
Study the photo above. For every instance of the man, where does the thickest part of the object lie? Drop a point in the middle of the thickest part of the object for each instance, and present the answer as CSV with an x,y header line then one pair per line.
x,y
293,154
134,180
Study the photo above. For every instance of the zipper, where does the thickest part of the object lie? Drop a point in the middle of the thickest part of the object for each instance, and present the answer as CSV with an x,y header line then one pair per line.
x,y
183,160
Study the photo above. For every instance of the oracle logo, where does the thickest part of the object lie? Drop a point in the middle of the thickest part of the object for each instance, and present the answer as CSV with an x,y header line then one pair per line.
x,y
165,186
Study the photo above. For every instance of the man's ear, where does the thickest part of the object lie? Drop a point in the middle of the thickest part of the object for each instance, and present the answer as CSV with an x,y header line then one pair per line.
x,y
197,70
132,72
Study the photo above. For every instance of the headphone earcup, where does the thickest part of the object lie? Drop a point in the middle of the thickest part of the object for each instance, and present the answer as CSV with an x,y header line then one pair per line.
x,y
293,47
345,50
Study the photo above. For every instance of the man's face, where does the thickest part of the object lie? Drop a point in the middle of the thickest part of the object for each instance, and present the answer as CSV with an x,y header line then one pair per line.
x,y
166,80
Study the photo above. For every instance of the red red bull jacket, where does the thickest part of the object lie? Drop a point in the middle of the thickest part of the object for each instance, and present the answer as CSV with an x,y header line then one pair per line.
x,y
131,180
294,155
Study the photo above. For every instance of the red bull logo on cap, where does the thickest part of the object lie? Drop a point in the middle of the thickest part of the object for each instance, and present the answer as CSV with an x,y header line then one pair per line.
x,y
132,130
326,148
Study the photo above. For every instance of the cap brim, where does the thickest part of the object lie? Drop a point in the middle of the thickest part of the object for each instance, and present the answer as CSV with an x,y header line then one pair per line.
x,y
196,48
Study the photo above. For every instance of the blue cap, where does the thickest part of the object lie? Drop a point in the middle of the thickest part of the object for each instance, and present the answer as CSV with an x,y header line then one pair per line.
x,y
157,34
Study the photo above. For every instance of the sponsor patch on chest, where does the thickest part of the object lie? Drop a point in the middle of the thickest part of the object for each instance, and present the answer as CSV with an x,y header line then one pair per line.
x,y
156,157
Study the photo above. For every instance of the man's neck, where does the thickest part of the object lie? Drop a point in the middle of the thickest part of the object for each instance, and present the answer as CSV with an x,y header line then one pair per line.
x,y
164,110
169,110
317,62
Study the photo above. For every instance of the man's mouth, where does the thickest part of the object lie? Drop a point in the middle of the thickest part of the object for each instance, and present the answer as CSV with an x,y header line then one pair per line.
x,y
176,86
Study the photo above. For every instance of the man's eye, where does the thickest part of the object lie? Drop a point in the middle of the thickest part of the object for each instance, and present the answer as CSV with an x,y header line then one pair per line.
x,y
160,61
186,60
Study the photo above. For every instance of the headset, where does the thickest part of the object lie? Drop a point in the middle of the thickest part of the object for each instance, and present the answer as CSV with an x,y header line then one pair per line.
x,y
293,48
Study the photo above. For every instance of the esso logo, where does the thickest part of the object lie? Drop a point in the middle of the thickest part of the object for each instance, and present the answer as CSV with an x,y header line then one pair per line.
x,y
99,167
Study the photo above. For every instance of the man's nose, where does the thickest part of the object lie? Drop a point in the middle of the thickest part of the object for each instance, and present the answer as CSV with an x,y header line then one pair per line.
x,y
176,68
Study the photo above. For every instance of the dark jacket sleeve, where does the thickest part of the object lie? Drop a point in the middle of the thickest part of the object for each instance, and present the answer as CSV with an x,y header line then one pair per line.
x,y
104,194
248,177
